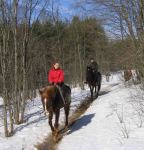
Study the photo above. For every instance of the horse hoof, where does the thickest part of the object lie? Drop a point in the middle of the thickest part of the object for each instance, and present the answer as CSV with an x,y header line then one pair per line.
x,y
53,133
55,139
55,136
66,127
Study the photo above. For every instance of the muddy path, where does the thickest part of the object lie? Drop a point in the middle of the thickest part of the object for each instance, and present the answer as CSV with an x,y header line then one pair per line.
x,y
49,143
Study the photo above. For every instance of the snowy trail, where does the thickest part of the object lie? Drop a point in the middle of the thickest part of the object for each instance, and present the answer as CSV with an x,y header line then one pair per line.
x,y
49,143
100,129
97,129
92,131
36,128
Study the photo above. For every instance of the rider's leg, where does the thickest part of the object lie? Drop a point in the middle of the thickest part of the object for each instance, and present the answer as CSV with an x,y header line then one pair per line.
x,y
61,92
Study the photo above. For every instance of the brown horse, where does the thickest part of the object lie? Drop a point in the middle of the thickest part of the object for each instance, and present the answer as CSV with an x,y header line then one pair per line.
x,y
127,74
53,101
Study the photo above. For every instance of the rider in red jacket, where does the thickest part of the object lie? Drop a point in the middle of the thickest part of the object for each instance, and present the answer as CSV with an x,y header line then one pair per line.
x,y
56,75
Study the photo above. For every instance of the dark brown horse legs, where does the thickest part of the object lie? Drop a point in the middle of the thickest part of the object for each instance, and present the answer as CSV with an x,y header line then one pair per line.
x,y
56,125
91,90
66,108
50,121
57,118
96,90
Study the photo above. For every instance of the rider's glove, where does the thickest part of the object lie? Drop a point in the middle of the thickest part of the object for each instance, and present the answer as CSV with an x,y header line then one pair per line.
x,y
52,83
60,83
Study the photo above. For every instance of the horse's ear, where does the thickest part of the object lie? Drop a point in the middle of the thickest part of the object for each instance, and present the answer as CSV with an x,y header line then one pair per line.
x,y
41,91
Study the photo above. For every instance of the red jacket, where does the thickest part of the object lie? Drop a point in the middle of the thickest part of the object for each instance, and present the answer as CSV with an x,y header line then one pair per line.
x,y
56,76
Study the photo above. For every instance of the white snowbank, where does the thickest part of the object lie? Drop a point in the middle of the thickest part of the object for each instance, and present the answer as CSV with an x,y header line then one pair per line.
x,y
98,129
36,128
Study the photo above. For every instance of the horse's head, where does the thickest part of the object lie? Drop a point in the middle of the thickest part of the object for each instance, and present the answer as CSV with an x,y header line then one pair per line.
x,y
88,70
47,95
91,69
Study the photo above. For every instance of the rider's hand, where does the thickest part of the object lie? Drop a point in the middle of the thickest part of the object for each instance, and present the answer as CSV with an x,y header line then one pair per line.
x,y
52,83
59,83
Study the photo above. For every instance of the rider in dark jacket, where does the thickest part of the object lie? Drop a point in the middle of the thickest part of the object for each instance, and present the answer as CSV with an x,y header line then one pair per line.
x,y
93,64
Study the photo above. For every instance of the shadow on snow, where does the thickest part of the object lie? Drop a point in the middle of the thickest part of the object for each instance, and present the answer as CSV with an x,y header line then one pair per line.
x,y
83,121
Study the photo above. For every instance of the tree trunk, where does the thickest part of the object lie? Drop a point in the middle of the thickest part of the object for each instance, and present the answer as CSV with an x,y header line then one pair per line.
x,y
16,108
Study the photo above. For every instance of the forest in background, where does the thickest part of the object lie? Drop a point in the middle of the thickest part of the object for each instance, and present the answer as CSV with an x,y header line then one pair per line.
x,y
32,37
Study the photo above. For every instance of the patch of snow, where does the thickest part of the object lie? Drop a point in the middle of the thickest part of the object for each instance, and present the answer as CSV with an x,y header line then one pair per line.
x,y
36,128
98,129
1,101
105,124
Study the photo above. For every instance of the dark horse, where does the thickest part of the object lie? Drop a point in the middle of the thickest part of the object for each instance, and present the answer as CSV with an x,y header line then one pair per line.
x,y
53,101
94,81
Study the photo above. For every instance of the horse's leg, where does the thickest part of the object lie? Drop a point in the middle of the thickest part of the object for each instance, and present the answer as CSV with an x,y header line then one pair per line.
x,y
56,125
50,121
95,88
66,109
42,100
99,86
44,103
57,119
89,88
97,91
92,88
45,107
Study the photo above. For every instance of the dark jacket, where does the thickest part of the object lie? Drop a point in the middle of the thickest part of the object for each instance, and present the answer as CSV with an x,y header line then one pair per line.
x,y
94,66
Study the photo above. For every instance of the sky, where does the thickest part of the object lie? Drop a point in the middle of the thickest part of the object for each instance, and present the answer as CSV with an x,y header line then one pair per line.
x,y
74,7
69,8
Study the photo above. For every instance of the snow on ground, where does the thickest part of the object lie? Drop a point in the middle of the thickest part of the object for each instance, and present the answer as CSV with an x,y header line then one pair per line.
x,y
36,128
1,101
98,129
110,123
